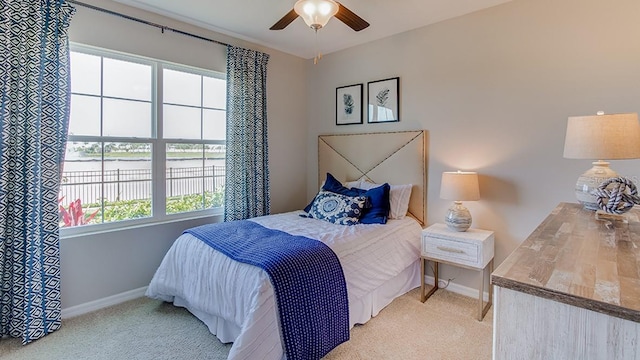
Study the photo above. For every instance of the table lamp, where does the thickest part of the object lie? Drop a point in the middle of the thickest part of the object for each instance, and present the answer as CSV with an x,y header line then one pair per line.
x,y
459,186
610,137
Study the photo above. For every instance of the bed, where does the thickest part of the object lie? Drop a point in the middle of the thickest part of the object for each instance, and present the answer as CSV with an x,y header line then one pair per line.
x,y
380,262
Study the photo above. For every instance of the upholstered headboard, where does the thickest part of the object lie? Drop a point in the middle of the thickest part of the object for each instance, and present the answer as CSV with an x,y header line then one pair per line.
x,y
393,157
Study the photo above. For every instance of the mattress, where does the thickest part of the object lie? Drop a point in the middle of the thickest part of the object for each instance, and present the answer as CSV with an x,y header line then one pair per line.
x,y
237,302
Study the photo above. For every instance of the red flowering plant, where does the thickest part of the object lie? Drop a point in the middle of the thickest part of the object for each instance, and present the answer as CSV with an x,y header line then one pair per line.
x,y
75,215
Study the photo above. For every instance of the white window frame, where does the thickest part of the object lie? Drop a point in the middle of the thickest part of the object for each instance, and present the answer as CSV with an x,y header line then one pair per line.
x,y
158,146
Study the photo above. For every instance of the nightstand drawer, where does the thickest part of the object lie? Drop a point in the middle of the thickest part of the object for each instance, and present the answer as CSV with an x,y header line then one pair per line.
x,y
450,250
471,248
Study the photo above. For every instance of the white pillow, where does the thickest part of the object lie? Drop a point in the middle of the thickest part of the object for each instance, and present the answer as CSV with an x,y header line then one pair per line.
x,y
399,196
353,184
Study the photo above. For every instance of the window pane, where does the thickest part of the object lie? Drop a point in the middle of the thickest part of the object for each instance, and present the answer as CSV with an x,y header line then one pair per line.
x,y
81,186
85,115
85,73
181,122
214,93
185,181
127,80
127,181
181,88
126,118
215,124
122,191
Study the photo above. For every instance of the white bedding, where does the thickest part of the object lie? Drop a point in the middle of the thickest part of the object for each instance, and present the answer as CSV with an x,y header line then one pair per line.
x,y
237,302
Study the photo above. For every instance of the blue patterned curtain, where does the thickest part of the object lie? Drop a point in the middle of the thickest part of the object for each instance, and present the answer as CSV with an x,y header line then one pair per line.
x,y
247,163
34,117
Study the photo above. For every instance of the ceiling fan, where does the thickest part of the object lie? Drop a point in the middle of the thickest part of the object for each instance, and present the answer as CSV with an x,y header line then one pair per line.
x,y
316,14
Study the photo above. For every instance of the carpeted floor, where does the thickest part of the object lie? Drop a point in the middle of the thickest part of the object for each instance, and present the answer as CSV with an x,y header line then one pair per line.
x,y
445,327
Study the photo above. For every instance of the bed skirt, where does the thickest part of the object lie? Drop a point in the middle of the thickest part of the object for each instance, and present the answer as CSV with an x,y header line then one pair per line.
x,y
360,311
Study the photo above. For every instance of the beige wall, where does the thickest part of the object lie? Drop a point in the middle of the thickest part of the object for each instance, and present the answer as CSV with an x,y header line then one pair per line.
x,y
101,265
494,89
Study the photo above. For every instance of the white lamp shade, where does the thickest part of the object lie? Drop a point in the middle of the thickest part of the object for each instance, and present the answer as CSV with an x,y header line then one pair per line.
x,y
459,186
316,13
606,137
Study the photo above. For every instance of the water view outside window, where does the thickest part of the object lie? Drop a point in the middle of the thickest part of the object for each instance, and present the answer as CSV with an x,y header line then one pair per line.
x,y
111,163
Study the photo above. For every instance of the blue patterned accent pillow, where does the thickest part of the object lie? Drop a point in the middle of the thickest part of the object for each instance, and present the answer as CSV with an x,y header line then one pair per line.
x,y
377,209
336,208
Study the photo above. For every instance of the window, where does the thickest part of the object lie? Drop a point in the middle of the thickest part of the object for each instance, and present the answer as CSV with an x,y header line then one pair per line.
x,y
146,140
194,110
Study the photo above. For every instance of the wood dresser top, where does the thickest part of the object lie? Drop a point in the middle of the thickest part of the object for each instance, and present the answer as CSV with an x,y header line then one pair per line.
x,y
575,259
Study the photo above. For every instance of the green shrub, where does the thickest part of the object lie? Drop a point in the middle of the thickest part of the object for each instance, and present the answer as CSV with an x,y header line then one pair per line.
x,y
134,209
125,210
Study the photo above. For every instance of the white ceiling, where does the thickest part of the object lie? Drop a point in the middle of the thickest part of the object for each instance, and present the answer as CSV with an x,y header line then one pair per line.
x,y
250,20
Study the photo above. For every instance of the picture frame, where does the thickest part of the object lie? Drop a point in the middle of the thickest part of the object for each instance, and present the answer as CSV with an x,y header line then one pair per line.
x,y
349,104
383,100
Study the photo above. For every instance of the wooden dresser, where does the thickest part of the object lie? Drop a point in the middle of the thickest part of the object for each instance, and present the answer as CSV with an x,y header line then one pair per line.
x,y
571,290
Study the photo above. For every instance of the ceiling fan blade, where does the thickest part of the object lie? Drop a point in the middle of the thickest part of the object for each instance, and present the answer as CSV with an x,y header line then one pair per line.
x,y
351,19
286,20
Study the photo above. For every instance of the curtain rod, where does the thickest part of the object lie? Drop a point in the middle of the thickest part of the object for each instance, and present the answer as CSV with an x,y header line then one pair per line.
x,y
161,27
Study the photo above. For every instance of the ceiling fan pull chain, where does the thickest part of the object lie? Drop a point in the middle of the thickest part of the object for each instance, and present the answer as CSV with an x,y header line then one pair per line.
x,y
319,54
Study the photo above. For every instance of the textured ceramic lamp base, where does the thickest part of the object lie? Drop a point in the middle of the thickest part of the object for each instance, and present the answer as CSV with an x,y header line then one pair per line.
x,y
590,180
458,217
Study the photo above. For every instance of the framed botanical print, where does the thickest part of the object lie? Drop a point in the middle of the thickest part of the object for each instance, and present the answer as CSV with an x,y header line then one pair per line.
x,y
349,104
383,100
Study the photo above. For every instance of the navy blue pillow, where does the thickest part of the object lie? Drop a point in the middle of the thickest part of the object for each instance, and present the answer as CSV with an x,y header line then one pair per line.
x,y
379,200
333,185
378,210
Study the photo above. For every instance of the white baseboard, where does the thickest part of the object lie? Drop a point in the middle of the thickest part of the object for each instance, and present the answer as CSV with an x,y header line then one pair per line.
x,y
459,289
102,303
136,293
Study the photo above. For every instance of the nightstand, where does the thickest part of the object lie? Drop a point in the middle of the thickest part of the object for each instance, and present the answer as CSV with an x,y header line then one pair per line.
x,y
471,249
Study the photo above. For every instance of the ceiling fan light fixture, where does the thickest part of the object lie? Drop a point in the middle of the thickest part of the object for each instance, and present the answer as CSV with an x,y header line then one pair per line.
x,y
316,13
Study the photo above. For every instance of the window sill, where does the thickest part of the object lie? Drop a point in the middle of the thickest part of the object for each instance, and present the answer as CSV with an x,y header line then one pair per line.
x,y
81,231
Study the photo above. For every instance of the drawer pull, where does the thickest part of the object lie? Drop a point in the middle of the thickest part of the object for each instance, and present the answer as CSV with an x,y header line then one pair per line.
x,y
451,250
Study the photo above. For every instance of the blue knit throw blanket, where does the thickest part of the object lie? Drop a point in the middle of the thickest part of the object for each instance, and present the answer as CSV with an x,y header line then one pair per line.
x,y
307,278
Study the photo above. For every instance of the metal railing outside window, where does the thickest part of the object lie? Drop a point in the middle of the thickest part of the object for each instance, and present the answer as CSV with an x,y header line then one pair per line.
x,y
135,184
